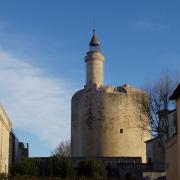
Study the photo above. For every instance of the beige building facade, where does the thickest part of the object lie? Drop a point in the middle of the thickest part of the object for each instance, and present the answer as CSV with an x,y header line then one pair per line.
x,y
5,129
106,121
173,145
171,159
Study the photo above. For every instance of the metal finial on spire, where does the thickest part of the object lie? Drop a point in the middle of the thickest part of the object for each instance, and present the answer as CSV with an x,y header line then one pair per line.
x,y
94,25
94,44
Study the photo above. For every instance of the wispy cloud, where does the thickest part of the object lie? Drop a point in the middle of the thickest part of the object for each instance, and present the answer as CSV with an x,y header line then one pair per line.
x,y
34,101
13,41
150,26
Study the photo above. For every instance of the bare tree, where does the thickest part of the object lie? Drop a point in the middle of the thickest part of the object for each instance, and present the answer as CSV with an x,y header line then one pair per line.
x,y
63,149
158,101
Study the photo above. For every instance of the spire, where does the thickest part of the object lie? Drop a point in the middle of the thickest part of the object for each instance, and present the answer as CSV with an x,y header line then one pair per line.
x,y
94,44
94,63
94,40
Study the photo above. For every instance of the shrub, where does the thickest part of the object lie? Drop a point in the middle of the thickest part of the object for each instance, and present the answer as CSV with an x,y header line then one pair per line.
x,y
91,168
56,166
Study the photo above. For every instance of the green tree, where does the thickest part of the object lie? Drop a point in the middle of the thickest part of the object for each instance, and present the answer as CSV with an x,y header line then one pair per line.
x,y
57,166
26,167
91,168
61,166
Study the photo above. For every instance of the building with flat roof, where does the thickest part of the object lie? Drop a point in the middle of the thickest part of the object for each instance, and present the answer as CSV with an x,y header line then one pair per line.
x,y
11,150
5,130
173,144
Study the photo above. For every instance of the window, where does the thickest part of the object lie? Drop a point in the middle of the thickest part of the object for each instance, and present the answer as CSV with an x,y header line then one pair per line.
x,y
121,131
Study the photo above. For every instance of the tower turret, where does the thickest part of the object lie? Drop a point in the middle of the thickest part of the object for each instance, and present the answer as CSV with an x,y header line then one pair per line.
x,y
94,63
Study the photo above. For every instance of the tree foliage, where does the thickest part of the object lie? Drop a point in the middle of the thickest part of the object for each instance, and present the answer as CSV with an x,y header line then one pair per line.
x,y
91,168
44,167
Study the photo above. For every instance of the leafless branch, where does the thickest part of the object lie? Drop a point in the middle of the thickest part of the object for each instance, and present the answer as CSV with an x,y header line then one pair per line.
x,y
156,101
63,149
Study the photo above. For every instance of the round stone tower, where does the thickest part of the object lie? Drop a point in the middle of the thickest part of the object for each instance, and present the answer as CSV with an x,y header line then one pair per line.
x,y
94,61
106,121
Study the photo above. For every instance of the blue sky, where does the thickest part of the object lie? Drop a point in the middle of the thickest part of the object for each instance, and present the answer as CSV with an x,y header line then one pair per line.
x,y
42,46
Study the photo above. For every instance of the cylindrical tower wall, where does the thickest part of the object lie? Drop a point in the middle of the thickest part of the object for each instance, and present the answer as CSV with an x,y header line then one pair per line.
x,y
94,70
106,124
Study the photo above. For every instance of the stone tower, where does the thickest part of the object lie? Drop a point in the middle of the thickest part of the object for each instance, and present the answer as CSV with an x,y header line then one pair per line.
x,y
94,61
106,120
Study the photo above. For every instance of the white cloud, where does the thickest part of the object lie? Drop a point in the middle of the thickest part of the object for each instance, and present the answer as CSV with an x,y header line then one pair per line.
x,y
34,101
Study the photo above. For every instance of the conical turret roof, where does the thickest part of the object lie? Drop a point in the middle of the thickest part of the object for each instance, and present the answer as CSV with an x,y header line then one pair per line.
x,y
94,40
